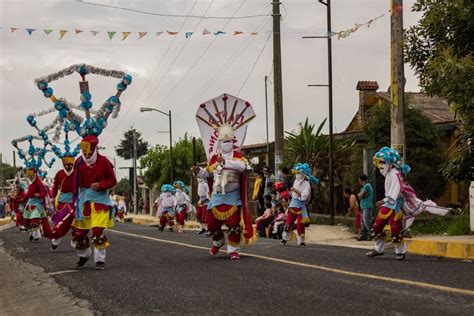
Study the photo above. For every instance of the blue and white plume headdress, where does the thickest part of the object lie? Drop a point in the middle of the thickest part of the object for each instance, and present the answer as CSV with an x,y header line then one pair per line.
x,y
90,125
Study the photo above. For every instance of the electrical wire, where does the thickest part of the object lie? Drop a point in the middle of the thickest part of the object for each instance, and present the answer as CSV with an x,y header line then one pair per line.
x,y
204,17
176,57
255,63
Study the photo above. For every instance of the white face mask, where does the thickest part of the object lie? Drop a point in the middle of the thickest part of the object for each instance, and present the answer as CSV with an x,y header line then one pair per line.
x,y
299,177
384,169
227,147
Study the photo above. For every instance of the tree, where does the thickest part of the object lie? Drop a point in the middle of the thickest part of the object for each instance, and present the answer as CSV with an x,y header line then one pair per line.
x,y
424,151
125,148
156,161
440,50
308,144
8,173
122,187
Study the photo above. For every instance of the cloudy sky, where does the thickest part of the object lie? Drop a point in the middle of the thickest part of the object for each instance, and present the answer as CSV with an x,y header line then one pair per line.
x,y
175,73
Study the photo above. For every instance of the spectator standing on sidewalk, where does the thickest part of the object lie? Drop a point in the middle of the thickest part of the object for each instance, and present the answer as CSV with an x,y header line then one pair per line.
x,y
3,203
353,208
258,189
366,197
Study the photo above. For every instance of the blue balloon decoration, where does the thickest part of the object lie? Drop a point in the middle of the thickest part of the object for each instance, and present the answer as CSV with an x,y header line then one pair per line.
x,y
48,92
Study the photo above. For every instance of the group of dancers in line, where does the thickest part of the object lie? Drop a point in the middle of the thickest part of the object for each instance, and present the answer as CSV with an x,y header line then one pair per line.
x,y
81,188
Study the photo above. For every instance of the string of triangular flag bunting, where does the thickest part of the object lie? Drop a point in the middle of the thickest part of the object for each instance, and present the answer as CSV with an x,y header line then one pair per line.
x,y
205,31
356,27
125,35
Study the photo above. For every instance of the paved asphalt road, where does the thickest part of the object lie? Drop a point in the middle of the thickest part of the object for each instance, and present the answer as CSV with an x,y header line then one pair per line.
x,y
166,273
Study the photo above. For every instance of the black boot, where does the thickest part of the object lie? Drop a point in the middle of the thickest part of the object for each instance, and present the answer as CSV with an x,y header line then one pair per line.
x,y
100,265
82,261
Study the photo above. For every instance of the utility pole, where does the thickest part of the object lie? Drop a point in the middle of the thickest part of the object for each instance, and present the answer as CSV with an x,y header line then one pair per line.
x,y
266,120
277,88
14,160
171,149
397,77
135,198
1,171
329,86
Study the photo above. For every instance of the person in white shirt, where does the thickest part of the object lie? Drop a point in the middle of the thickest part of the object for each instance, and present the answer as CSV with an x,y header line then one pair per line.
x,y
201,208
182,204
300,197
166,204
122,208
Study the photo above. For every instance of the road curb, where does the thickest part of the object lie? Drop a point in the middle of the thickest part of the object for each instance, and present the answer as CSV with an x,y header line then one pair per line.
x,y
153,222
448,249
5,221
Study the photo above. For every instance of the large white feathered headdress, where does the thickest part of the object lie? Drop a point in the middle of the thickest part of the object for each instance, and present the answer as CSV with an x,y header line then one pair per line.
x,y
223,118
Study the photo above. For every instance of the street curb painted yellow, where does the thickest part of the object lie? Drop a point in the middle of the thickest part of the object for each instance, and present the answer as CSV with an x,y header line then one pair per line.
x,y
4,221
148,222
448,249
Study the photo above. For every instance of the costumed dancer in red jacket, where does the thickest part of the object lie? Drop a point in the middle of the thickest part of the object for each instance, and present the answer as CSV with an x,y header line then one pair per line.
x,y
16,205
94,211
226,171
63,191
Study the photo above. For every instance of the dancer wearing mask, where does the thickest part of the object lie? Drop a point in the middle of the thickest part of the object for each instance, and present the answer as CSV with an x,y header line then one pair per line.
x,y
182,204
166,204
300,197
95,175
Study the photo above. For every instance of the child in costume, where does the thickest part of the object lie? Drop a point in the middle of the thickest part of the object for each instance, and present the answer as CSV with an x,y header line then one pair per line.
x,y
201,208
400,205
387,160
16,205
34,211
300,197
166,204
182,204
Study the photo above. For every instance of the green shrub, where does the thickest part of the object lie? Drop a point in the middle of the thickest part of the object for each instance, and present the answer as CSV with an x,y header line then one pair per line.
x,y
459,226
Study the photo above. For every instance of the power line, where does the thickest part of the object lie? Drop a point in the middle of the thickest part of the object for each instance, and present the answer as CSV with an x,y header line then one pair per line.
x,y
176,57
213,79
204,17
255,63
153,73
200,56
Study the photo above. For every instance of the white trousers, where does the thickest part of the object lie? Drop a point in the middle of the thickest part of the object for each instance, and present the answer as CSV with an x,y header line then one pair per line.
x,y
99,254
400,248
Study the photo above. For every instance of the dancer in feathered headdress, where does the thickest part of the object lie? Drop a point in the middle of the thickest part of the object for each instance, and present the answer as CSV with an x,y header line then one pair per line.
x,y
300,197
183,205
166,204
223,133
94,172
63,190
37,194
400,205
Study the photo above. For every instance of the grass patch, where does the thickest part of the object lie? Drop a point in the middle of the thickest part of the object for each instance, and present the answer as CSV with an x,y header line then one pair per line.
x,y
459,226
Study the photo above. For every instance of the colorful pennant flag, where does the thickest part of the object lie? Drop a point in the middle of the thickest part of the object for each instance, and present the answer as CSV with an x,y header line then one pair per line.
x,y
253,33
30,31
62,33
159,33
48,31
142,34
205,32
219,33
188,34
13,29
78,31
95,32
111,35
172,33
125,35
238,33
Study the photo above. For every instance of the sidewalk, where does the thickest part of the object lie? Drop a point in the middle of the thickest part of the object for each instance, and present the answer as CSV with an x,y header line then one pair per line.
x,y
457,247
5,221
149,220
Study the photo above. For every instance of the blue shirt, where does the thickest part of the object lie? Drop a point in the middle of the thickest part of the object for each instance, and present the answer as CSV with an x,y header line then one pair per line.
x,y
368,200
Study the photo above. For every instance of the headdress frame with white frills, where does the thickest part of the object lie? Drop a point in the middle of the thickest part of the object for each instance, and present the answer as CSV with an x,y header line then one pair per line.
x,y
223,114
